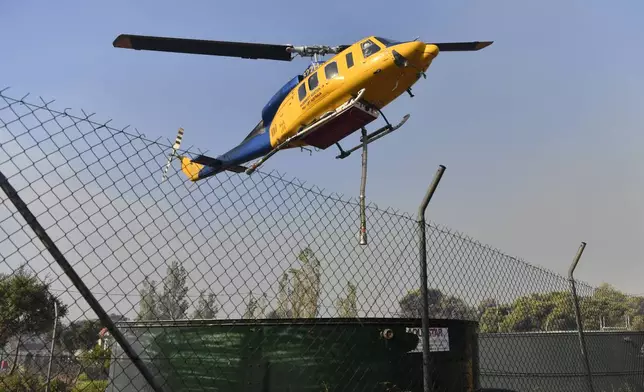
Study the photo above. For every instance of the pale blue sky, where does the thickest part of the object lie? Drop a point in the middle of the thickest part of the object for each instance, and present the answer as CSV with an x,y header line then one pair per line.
x,y
540,133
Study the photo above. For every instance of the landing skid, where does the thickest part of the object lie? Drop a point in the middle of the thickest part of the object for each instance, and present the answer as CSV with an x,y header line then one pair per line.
x,y
308,130
372,137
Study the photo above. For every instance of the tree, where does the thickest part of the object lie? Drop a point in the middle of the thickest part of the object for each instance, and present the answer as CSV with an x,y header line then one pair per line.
x,y
283,299
528,314
148,302
485,304
637,306
207,307
440,305
347,306
255,307
298,293
26,307
492,317
169,304
637,323
80,335
555,311
607,303
306,285
173,303
411,305
95,362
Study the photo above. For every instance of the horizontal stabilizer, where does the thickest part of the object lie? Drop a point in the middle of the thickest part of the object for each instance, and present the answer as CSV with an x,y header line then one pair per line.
x,y
237,168
208,161
461,46
216,163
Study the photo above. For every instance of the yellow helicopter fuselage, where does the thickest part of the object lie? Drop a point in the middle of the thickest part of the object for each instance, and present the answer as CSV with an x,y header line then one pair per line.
x,y
367,64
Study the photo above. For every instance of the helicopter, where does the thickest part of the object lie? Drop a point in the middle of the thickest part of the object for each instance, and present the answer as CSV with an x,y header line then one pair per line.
x,y
330,100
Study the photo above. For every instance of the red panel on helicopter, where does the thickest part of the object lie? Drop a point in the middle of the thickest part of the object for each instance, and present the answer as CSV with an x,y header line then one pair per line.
x,y
339,128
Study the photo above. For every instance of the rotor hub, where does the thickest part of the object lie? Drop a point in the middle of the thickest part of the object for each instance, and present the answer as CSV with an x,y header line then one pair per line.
x,y
315,50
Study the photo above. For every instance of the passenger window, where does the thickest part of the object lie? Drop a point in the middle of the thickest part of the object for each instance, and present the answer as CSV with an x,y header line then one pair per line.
x,y
313,81
331,70
302,91
369,48
349,60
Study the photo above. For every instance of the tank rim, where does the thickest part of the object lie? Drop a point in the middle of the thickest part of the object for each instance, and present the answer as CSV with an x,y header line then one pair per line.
x,y
370,321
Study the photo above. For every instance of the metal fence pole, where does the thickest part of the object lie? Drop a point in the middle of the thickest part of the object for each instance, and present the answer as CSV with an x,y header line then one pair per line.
x,y
580,328
53,342
31,220
427,378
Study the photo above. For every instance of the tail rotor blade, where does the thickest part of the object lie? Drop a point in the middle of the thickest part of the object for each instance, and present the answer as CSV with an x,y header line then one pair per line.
x,y
173,153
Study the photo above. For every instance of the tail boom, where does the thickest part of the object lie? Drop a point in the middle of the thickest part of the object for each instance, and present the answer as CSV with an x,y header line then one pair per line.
x,y
204,166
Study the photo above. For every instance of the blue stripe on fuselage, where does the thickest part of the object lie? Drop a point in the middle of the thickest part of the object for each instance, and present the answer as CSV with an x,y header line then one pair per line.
x,y
253,148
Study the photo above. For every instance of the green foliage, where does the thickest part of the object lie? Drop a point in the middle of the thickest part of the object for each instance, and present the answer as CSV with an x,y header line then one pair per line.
x,y
492,317
169,304
255,307
555,311
57,385
26,305
283,298
19,382
30,382
440,305
90,386
80,335
207,307
637,323
347,306
148,300
96,357
298,292
306,285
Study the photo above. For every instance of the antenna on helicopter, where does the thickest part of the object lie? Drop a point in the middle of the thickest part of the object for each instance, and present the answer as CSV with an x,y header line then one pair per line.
x,y
173,153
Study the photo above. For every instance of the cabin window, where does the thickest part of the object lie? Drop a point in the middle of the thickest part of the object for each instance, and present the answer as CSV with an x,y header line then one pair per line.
x,y
349,58
331,70
313,81
368,48
301,92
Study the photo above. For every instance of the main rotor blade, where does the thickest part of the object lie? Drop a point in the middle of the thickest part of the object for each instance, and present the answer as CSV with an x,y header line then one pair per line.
x,y
461,46
206,47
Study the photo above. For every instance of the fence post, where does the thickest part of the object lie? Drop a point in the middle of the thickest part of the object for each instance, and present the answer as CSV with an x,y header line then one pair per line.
x,y
31,220
53,344
427,378
580,328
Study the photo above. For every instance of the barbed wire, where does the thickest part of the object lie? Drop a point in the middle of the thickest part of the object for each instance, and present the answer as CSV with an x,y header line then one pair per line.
x,y
262,275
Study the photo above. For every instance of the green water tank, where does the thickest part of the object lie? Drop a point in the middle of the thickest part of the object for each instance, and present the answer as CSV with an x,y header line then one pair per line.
x,y
293,355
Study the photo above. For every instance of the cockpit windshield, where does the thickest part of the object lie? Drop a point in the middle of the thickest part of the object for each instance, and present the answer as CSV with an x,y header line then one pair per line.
x,y
388,42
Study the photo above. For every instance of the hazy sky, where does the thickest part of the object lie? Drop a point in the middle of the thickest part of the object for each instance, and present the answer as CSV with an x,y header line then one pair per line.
x,y
540,132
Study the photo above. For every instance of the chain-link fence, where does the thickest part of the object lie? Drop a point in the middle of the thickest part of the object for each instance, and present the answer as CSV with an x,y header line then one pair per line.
x,y
244,283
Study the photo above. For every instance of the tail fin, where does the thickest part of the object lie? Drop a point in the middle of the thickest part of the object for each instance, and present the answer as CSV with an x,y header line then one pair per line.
x,y
191,169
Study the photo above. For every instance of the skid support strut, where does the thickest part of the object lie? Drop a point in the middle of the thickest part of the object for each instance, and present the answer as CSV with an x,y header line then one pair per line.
x,y
363,185
372,137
